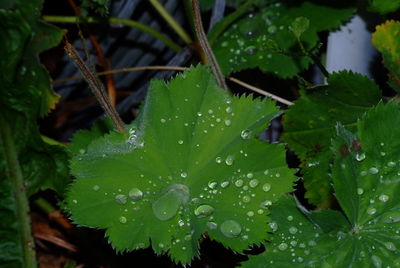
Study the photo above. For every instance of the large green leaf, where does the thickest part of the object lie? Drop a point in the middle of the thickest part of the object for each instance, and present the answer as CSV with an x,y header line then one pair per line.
x,y
265,39
368,192
191,164
386,40
384,6
310,124
25,96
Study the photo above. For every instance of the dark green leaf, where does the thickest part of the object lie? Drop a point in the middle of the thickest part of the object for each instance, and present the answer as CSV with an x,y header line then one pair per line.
x,y
190,164
384,6
243,45
310,124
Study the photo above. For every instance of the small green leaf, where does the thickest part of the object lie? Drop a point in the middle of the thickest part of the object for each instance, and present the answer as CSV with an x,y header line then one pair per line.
x,y
310,124
384,6
190,164
386,39
299,26
244,44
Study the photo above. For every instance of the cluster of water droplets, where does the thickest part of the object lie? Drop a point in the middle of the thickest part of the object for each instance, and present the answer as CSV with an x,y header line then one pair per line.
x,y
135,139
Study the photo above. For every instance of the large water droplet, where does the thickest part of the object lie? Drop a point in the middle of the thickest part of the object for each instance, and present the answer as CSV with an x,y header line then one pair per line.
x,y
246,199
231,228
135,194
229,160
293,230
373,170
224,184
391,164
227,122
203,211
266,203
212,225
360,156
282,246
121,199
273,225
376,261
266,187
122,219
360,191
253,183
371,210
239,183
384,198
249,175
245,134
212,184
183,175
166,207
218,160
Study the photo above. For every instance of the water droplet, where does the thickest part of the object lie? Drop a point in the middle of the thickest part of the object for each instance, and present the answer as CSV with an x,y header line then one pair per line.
x,y
212,184
266,172
340,235
371,210
250,50
293,230
246,199
373,170
245,134
390,246
121,199
135,194
312,243
212,225
391,164
224,184
199,114
239,183
180,142
227,122
210,111
203,211
249,175
166,207
289,218
122,219
229,160
253,183
376,261
250,213
162,120
282,246
266,203
360,191
183,175
96,188
272,29
181,222
218,160
360,156
231,228
228,109
266,187
383,197
274,226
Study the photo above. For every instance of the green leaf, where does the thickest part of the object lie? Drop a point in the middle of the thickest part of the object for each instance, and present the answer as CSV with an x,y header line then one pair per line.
x,y
386,39
384,6
190,164
244,43
368,193
26,95
310,124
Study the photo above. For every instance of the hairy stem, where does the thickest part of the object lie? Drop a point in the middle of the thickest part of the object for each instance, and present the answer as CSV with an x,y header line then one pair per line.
x,y
201,35
96,86
14,174
73,19
171,21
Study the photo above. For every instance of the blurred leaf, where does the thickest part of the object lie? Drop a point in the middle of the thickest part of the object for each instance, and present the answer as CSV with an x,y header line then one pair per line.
x,y
190,164
310,124
386,39
25,96
384,6
243,44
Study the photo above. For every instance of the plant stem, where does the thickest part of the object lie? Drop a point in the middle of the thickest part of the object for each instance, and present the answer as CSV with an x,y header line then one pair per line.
x,y
171,21
96,87
201,35
14,173
73,19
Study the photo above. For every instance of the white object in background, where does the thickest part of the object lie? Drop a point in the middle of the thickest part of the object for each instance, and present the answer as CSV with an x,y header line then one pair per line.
x,y
350,48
